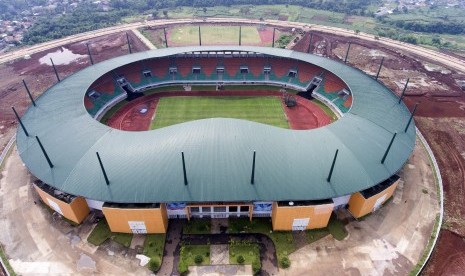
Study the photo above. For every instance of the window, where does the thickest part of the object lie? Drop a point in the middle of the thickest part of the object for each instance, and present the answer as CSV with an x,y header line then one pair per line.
x,y
244,70
147,73
219,209
233,209
196,70
244,208
267,70
195,209
93,94
206,209
173,70
220,70
292,73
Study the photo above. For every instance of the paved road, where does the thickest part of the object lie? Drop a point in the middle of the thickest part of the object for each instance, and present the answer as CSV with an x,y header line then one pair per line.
x,y
441,58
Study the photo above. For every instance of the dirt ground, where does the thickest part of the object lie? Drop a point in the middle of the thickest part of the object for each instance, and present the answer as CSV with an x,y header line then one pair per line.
x,y
40,76
388,242
440,116
306,115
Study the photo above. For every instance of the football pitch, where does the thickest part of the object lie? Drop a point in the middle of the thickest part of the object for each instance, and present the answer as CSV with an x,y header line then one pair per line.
x,y
188,35
175,110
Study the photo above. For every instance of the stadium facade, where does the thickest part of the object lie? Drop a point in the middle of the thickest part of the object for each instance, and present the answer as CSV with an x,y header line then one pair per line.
x,y
215,167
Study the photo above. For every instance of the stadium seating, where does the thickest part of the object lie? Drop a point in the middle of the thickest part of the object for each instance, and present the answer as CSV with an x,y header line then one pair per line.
x,y
132,73
307,72
107,89
333,83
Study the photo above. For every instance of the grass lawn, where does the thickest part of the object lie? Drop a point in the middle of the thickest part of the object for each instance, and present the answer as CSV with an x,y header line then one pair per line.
x,y
213,34
122,238
283,241
175,110
315,234
250,252
154,245
188,253
336,228
100,233
197,226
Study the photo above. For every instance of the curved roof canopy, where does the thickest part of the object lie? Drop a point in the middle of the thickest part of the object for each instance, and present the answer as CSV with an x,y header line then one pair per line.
x,y
145,167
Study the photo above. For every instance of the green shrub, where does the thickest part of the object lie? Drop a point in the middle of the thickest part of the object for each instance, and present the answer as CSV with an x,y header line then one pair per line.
x,y
198,259
240,259
256,267
154,265
183,268
285,262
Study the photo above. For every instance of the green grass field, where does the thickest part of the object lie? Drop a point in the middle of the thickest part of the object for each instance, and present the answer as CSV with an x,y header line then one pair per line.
x,y
175,110
213,34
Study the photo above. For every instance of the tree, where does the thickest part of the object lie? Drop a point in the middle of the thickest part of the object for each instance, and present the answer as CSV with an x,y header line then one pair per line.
x,y
357,31
165,13
285,262
198,259
204,9
240,259
154,265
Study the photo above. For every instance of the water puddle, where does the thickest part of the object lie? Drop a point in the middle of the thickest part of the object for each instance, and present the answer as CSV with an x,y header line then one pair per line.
x,y
62,56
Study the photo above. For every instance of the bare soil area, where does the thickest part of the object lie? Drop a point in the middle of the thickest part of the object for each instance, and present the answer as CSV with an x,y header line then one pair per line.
x,y
40,76
440,117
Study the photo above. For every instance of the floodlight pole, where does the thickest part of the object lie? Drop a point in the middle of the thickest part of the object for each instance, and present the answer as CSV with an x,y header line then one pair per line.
x,y
411,117
103,169
347,53
274,32
252,179
129,44
90,55
388,148
166,40
332,167
379,69
184,168
55,69
29,93
403,91
310,43
200,37
45,153
20,122
240,32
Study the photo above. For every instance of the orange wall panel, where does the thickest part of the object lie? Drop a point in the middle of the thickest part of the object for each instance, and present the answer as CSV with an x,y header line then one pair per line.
x,y
155,219
283,216
75,211
360,206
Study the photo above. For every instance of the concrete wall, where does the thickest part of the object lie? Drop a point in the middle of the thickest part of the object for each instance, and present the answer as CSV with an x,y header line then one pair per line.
x,y
155,219
283,216
75,211
360,206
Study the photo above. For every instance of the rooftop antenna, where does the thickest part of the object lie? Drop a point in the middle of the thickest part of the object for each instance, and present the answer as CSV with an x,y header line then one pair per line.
x,y
129,44
332,166
184,168
347,53
388,148
103,169
20,122
44,152
403,91
379,69
55,69
252,179
310,43
90,55
411,117
29,93
274,32
166,40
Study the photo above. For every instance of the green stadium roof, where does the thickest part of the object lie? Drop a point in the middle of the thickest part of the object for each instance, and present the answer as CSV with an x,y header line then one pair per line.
x,y
146,166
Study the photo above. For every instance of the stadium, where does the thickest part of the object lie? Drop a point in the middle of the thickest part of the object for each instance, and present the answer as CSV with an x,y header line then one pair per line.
x,y
215,167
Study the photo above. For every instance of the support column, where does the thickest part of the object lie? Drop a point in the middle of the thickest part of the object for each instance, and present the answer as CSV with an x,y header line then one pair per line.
x,y
332,167
388,148
129,44
310,43
103,169
274,32
20,122
54,69
45,153
184,168
379,69
403,91
90,55
347,53
166,40
252,179
200,37
29,93
411,117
